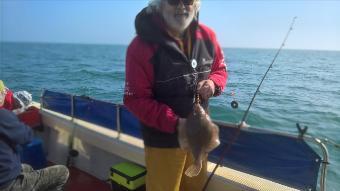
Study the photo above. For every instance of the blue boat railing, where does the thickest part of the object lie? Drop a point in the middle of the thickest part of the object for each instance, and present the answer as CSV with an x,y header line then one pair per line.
x,y
106,114
278,157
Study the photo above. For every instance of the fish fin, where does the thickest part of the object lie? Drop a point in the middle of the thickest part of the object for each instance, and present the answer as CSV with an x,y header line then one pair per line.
x,y
182,137
213,145
194,170
215,141
183,143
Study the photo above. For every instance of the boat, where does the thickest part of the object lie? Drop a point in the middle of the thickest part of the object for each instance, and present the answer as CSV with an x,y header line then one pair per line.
x,y
91,135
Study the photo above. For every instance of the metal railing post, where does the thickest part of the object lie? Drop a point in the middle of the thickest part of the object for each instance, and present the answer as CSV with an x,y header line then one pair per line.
x,y
72,152
325,162
118,120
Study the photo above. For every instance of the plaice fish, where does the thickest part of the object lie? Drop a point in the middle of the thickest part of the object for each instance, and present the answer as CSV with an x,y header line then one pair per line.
x,y
200,137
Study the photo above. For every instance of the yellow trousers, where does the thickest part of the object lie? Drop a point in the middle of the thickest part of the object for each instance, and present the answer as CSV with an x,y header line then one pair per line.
x,y
166,168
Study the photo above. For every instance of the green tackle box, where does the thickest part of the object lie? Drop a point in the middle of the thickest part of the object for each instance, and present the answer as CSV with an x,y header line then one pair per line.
x,y
128,176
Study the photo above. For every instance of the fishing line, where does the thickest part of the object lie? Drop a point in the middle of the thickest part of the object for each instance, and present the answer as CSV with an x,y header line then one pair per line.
x,y
330,142
244,118
325,140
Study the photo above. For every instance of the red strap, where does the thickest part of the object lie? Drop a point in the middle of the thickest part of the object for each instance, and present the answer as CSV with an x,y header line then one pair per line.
x,y
31,117
9,101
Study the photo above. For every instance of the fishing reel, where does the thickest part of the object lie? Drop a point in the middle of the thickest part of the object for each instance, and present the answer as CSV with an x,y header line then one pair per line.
x,y
234,103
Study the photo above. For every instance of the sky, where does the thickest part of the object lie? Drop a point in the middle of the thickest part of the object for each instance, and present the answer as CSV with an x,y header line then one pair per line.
x,y
237,23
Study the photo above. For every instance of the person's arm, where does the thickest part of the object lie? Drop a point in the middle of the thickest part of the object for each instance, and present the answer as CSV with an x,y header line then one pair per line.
x,y
138,95
11,127
218,72
217,78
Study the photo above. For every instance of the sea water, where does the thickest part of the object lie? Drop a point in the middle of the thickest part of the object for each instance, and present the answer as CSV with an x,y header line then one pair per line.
x,y
303,86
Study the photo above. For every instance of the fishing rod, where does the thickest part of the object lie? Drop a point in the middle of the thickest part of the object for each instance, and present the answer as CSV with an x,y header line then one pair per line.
x,y
244,118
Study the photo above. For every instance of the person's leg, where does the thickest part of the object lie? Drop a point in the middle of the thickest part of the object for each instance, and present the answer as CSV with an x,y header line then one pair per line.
x,y
20,183
164,168
23,182
26,168
51,178
195,183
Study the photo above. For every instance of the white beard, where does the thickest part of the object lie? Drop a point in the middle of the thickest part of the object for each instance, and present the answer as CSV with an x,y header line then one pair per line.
x,y
178,22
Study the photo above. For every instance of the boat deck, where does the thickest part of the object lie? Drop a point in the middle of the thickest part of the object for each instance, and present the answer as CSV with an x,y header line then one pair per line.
x,y
80,180
100,147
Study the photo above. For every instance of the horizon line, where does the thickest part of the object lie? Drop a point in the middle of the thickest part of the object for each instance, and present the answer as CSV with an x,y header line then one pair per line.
x,y
120,44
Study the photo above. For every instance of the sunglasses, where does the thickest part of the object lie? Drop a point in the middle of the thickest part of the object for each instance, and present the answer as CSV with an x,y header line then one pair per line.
x,y
176,2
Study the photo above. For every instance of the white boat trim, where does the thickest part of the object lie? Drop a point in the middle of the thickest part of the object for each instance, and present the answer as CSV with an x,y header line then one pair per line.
x,y
99,145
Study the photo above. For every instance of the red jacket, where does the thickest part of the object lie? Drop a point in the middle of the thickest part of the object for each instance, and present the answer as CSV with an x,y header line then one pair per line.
x,y
141,96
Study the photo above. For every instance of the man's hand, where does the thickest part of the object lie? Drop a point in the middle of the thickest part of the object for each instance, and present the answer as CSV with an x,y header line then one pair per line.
x,y
182,137
206,89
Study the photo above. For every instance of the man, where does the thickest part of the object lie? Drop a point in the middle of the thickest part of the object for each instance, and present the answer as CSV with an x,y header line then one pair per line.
x,y
17,176
172,58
